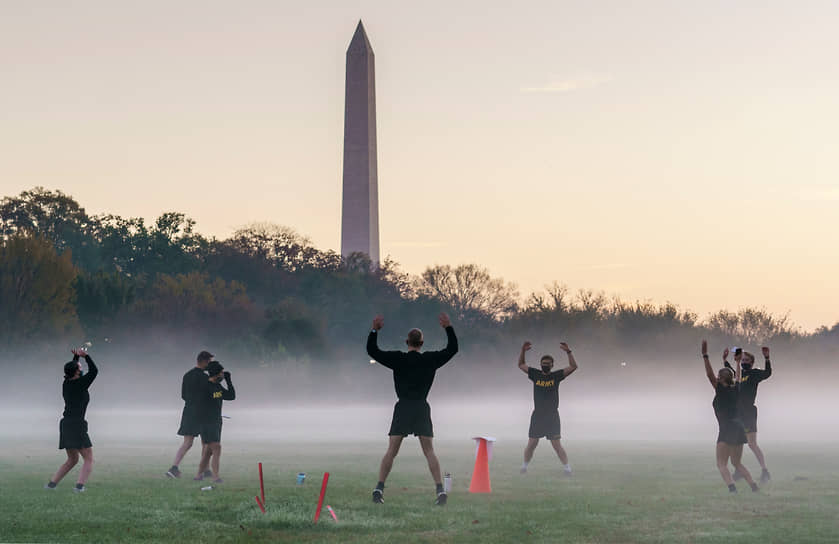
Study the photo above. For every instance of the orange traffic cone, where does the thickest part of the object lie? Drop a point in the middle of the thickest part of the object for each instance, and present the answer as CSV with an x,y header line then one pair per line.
x,y
480,476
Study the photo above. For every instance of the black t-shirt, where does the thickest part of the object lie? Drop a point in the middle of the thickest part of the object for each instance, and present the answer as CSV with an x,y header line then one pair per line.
x,y
192,388
748,383
75,392
545,389
725,402
413,372
211,397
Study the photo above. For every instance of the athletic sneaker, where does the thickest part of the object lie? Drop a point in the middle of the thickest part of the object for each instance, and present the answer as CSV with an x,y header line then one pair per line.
x,y
378,496
173,472
523,470
198,478
218,481
442,497
47,486
79,489
737,475
764,476
208,474
755,488
568,473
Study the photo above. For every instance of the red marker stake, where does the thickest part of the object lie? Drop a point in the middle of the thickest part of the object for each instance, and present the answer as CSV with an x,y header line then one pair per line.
x,y
331,511
259,502
322,495
261,485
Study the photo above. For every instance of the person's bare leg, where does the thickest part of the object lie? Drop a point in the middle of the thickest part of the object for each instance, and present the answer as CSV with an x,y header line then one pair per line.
x,y
752,438
179,456
87,466
722,463
427,444
394,443
737,461
560,451
205,460
528,453
72,459
215,449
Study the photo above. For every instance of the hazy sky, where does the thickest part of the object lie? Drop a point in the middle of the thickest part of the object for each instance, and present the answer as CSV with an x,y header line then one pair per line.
x,y
662,150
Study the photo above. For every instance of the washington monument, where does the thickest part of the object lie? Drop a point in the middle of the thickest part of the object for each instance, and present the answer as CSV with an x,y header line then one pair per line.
x,y
360,205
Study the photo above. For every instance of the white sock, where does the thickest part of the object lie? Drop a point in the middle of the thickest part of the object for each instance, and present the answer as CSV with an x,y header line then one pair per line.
x,y
524,465
568,468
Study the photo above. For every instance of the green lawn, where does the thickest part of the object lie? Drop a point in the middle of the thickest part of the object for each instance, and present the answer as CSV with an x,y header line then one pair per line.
x,y
621,492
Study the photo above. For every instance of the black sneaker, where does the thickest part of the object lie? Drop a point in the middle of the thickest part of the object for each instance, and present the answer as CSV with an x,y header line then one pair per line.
x,y
378,496
737,475
442,497
78,489
208,474
755,488
764,476
173,473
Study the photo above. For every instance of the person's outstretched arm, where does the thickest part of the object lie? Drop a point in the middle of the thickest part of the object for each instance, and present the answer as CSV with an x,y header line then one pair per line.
x,y
572,363
767,368
444,356
92,371
385,358
522,363
708,370
229,393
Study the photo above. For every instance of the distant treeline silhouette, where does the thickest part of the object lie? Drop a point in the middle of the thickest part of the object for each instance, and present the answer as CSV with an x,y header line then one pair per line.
x,y
268,295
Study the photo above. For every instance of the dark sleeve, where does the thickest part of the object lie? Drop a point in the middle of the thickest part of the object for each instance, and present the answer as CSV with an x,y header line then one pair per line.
x,y
185,388
92,372
388,359
531,373
229,393
444,356
767,371
560,375
728,366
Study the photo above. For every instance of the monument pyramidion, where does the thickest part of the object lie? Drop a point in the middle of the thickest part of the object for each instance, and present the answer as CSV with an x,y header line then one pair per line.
x,y
360,200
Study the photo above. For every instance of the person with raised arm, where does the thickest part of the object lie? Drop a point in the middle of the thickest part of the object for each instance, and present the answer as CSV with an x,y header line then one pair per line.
x,y
413,374
731,436
212,397
73,436
544,421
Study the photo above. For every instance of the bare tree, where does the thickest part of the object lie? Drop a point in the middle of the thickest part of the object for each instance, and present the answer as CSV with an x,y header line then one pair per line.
x,y
470,291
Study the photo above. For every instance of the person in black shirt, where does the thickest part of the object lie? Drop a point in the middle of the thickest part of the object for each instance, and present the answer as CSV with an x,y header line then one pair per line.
x,y
191,387
211,397
731,435
544,421
73,435
413,374
750,377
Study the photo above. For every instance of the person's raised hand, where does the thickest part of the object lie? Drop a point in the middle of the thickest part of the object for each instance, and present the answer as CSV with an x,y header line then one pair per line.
x,y
564,347
765,351
227,375
378,322
725,354
526,346
444,320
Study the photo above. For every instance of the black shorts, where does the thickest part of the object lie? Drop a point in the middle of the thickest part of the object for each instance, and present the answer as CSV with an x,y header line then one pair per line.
x,y
210,432
731,432
544,424
748,415
411,417
190,425
72,434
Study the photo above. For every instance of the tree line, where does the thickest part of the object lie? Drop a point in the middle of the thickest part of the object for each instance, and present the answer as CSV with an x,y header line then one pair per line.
x,y
268,295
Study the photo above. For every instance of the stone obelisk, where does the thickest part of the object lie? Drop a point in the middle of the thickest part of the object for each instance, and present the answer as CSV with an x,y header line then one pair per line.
x,y
360,204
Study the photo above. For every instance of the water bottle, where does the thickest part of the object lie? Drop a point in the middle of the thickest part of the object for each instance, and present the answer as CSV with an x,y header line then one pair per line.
x,y
301,477
447,483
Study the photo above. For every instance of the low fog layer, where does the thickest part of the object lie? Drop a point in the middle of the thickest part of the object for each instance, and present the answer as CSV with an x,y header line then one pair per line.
x,y
667,400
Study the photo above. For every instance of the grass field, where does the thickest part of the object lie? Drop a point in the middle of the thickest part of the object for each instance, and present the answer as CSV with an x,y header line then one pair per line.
x,y
621,492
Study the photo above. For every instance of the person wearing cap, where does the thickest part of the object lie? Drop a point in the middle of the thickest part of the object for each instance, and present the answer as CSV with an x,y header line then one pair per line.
x,y
750,377
73,437
731,436
212,395
192,386
413,374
